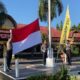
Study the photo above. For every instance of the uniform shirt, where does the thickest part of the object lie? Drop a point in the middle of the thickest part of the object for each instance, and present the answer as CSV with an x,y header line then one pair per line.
x,y
9,44
43,48
67,46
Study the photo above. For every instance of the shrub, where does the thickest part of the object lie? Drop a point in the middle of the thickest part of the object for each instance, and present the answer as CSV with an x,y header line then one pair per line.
x,y
75,50
62,74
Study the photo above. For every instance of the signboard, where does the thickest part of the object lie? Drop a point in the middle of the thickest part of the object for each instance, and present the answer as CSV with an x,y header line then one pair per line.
x,y
4,34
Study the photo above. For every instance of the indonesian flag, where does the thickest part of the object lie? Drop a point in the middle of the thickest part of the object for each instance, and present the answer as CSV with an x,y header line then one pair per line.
x,y
26,37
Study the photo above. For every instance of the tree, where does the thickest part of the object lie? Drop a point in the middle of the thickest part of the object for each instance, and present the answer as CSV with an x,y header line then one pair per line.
x,y
57,27
56,8
61,25
44,37
79,26
74,28
3,11
4,17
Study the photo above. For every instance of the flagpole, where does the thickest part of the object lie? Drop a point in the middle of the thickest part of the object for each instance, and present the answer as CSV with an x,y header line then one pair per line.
x,y
49,59
49,23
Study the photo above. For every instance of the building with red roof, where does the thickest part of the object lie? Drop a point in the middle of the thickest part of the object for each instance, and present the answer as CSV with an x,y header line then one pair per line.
x,y
55,33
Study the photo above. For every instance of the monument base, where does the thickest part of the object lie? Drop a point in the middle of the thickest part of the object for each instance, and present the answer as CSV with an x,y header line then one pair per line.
x,y
50,62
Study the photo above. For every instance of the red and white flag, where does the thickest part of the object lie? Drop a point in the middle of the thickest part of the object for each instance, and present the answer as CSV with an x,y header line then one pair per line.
x,y
26,37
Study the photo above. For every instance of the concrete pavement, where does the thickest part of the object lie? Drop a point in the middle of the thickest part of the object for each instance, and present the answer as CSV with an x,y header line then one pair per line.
x,y
33,67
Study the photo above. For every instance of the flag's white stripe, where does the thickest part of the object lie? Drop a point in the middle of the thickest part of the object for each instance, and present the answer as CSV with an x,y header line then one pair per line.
x,y
31,40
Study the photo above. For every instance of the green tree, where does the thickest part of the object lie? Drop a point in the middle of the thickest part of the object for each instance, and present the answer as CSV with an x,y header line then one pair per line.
x,y
3,12
74,27
61,25
5,17
56,8
44,37
79,26
57,27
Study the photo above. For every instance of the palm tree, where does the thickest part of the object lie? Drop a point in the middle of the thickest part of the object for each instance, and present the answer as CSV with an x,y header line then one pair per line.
x,y
56,8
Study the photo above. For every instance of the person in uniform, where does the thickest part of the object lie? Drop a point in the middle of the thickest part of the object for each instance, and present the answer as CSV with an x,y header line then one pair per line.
x,y
9,52
44,51
68,51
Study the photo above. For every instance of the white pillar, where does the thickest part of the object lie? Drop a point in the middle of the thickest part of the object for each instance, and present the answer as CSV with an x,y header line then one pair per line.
x,y
49,59
5,65
5,62
16,68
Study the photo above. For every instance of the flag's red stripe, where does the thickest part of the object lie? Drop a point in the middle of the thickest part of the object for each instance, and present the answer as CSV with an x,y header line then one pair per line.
x,y
22,33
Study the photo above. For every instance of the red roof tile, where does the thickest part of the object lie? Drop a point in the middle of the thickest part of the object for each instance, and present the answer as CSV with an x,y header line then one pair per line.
x,y
54,31
20,25
44,30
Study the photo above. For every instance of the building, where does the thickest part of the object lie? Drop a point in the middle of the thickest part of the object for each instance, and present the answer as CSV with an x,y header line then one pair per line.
x,y
55,39
56,36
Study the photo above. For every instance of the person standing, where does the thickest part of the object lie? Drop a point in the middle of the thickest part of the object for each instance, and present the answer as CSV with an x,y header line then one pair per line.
x,y
9,51
63,56
44,51
68,51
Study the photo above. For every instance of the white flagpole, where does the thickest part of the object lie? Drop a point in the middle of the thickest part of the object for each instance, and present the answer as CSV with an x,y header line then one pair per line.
x,y
49,23
49,60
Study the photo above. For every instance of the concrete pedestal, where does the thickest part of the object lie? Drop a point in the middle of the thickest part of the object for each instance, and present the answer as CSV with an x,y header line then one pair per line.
x,y
5,65
50,62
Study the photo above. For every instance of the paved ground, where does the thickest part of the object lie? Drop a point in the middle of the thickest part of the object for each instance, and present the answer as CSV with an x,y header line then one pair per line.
x,y
33,67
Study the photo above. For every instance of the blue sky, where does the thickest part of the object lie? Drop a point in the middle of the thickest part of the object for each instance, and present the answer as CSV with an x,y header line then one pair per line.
x,y
26,11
